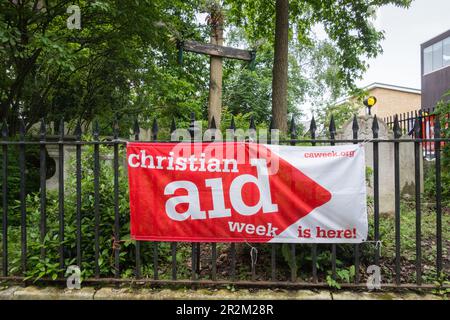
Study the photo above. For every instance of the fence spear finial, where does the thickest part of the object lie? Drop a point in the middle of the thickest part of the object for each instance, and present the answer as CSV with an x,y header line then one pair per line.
x,y
4,128
136,128
375,127
22,128
212,125
61,129
313,127
78,130
252,123
42,129
173,126
397,129
292,128
332,127
437,127
95,130
271,124
116,128
232,124
417,129
155,129
355,126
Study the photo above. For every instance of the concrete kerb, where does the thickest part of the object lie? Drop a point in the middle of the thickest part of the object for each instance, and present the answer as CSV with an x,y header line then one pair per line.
x,y
111,293
53,293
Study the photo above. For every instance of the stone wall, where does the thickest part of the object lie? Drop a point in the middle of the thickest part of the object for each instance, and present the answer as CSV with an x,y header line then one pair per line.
x,y
69,170
386,161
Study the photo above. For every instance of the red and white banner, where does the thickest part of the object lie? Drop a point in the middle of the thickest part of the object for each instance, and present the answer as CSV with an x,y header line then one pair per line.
x,y
238,192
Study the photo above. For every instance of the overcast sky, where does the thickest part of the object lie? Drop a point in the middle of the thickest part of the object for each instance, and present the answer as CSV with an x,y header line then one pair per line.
x,y
405,30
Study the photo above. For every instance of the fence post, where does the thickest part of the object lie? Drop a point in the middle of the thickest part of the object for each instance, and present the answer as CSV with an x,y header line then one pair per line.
x,y
355,129
376,188
173,128
78,190
5,199
397,135
437,152
155,130
233,245
332,130
43,188
273,245
116,200
293,133
61,193
252,138
136,131
312,131
417,160
95,134
23,209
195,247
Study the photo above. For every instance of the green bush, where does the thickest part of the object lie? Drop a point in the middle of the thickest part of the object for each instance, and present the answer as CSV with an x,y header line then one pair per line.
x,y
13,176
49,267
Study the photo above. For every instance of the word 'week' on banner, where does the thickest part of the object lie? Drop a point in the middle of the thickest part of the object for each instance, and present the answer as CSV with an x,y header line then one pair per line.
x,y
238,192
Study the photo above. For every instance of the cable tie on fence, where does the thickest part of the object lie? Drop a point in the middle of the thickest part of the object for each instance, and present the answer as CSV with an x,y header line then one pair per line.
x,y
117,243
378,244
253,254
365,141
254,257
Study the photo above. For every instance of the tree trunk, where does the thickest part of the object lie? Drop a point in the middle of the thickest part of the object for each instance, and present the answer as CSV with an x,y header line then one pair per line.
x,y
280,66
215,79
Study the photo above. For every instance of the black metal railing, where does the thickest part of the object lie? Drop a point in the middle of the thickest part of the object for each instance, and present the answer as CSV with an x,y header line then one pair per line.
x,y
426,118
363,254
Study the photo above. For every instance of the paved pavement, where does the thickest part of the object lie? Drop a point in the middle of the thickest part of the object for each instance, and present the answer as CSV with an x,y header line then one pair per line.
x,y
107,293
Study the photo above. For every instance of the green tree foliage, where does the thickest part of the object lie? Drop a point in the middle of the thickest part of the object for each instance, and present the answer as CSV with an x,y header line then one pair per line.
x,y
347,24
352,38
341,113
122,61
312,79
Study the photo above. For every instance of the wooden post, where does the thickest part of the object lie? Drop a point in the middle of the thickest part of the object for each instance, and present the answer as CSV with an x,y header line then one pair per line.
x,y
215,70
217,52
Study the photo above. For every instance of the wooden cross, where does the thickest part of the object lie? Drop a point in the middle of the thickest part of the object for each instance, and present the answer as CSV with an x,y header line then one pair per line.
x,y
217,52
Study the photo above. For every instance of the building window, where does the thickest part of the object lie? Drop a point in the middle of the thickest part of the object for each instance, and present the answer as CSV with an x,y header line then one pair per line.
x,y
436,56
428,59
447,52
